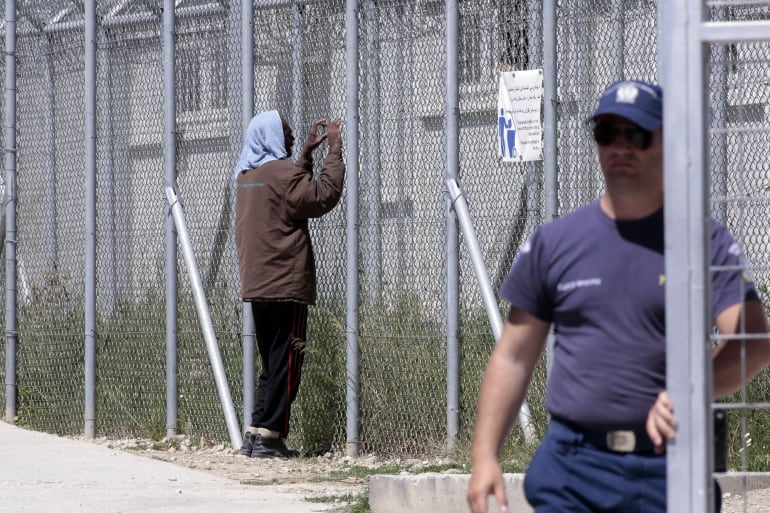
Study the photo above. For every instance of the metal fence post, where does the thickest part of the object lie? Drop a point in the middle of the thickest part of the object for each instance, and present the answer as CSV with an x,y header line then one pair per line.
x,y
9,205
550,106
170,232
90,218
247,111
688,362
352,225
452,115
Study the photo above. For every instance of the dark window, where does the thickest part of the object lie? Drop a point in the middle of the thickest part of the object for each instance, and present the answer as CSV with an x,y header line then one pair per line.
x,y
189,85
470,48
219,78
749,113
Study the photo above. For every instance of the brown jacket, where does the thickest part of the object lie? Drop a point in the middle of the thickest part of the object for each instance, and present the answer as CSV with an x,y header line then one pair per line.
x,y
273,203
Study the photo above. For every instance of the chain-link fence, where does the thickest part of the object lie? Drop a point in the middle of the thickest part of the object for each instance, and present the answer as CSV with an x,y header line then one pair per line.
x,y
737,126
299,68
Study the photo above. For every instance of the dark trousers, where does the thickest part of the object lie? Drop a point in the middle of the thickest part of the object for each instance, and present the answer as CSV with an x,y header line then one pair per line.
x,y
281,328
567,474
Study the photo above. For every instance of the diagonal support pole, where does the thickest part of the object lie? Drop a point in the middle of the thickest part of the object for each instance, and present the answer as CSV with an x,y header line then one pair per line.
x,y
223,389
460,206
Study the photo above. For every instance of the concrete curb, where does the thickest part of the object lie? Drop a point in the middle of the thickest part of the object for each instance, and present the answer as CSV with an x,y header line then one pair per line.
x,y
445,493
735,485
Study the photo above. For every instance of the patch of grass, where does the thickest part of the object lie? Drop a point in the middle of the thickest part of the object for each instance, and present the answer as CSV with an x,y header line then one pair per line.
x,y
402,362
140,447
347,498
516,467
360,506
361,472
476,345
462,467
402,381
318,414
258,482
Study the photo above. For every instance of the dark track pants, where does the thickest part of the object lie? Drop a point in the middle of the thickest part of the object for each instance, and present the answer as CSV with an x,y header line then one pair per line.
x,y
281,329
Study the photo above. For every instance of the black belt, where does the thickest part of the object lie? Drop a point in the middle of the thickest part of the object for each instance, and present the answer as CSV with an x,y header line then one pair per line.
x,y
622,441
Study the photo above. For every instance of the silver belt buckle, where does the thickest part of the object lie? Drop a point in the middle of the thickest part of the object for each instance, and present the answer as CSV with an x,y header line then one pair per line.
x,y
621,441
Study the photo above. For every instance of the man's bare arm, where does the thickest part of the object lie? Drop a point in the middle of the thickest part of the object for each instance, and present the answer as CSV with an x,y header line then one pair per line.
x,y
727,361
728,357
503,389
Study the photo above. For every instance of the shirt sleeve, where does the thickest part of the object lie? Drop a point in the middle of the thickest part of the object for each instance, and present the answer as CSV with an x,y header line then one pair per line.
x,y
731,278
525,287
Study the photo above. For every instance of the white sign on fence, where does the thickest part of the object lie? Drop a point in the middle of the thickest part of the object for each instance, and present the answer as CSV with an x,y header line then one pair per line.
x,y
519,104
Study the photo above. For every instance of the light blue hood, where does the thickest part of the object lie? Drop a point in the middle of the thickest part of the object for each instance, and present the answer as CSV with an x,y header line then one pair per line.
x,y
263,142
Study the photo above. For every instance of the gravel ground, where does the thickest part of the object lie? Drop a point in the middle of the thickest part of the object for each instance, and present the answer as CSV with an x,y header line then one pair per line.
x,y
328,478
757,501
325,476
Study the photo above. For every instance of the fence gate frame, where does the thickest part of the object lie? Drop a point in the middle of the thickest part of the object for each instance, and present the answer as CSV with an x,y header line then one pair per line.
x,y
684,39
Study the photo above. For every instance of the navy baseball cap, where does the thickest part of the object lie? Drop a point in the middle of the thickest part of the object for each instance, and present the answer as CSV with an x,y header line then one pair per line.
x,y
637,101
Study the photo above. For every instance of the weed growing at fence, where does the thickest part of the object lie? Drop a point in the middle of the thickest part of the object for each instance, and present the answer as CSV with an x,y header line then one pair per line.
x,y
200,410
318,415
748,429
131,369
748,446
50,355
402,376
130,362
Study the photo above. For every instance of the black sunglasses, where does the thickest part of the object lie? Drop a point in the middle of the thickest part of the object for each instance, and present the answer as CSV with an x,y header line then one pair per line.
x,y
605,134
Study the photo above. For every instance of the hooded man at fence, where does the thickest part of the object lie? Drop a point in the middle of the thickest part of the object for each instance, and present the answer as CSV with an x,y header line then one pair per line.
x,y
274,200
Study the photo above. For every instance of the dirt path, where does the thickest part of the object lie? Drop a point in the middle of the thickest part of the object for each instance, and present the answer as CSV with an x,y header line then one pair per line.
x,y
331,477
327,476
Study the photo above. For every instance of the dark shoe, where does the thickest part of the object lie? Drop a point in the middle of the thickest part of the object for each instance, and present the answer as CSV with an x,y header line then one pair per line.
x,y
292,453
271,448
248,444
317,451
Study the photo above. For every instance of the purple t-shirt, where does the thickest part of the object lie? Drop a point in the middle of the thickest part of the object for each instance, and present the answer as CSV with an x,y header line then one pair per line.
x,y
601,282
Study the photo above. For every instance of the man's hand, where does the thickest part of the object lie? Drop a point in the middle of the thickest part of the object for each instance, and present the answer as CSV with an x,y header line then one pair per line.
x,y
314,138
333,134
661,422
503,388
486,480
